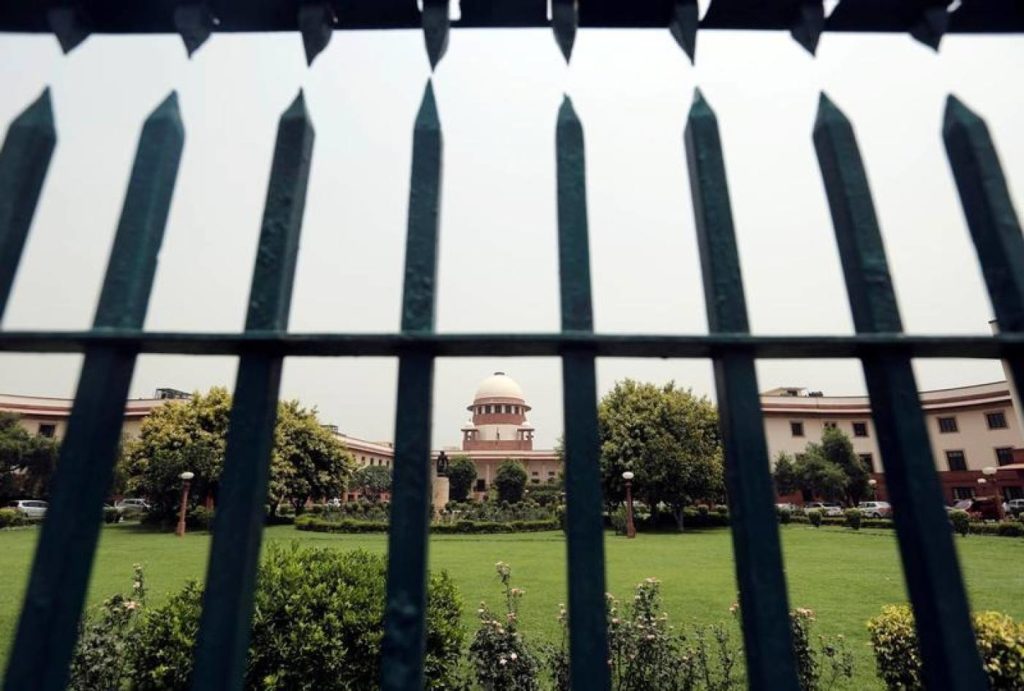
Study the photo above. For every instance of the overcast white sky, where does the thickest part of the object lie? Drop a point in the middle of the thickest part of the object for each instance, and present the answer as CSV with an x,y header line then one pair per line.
x,y
498,93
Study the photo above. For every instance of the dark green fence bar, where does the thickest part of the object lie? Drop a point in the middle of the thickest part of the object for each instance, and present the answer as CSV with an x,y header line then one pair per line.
x,y
926,544
406,608
60,572
991,218
588,639
223,641
759,571
24,160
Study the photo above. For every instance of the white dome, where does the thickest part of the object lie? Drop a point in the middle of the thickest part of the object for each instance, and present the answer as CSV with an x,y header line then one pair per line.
x,y
498,385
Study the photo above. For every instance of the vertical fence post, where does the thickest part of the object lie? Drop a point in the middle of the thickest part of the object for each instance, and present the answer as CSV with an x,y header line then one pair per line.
x,y
930,566
759,570
24,160
588,639
991,218
48,626
223,640
406,608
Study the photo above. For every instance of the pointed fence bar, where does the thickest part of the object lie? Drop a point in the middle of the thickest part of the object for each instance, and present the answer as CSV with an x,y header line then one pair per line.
x,y
24,160
588,638
60,571
948,650
759,568
406,608
225,624
991,218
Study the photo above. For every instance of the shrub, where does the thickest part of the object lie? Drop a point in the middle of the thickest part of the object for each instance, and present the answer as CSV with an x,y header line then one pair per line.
x,y
200,518
961,521
815,516
618,521
111,515
501,659
785,516
106,639
510,481
318,623
811,664
10,518
894,640
853,518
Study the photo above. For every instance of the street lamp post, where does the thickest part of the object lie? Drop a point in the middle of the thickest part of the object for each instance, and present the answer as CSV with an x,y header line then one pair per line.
x,y
873,484
990,471
186,482
630,526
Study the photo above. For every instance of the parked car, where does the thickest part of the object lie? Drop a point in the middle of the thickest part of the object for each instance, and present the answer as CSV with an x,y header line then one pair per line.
x,y
785,506
979,508
132,508
875,509
828,508
1015,507
32,509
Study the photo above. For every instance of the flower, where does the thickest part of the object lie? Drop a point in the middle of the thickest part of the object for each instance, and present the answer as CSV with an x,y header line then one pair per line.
x,y
502,661
131,605
514,656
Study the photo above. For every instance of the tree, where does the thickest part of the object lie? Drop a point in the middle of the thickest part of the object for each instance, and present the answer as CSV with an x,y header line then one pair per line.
x,y
668,437
372,481
838,449
784,474
306,462
831,469
27,461
819,476
461,476
510,481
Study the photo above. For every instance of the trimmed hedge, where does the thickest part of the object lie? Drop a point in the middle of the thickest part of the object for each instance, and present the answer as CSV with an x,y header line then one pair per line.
x,y
10,518
348,525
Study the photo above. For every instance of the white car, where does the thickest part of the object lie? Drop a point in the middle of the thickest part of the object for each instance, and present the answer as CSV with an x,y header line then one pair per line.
x,y
827,508
132,507
875,509
32,509
785,506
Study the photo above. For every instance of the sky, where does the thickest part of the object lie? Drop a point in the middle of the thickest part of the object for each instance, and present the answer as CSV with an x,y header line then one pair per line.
x,y
498,93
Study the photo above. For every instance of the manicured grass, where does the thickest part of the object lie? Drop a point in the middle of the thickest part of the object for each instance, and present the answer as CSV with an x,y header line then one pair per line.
x,y
845,577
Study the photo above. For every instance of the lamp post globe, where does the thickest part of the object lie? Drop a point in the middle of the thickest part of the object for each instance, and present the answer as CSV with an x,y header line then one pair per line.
x,y
630,526
873,484
186,482
990,471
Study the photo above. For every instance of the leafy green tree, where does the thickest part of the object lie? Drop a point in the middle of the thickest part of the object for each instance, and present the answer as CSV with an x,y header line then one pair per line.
x,y
27,461
510,481
831,469
784,474
372,481
838,449
461,476
819,476
307,461
668,437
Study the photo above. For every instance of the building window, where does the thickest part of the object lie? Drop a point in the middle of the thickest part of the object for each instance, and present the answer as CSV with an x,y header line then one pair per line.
x,y
47,430
860,429
960,493
797,428
830,425
481,485
535,473
956,460
996,420
1004,455
947,425
868,460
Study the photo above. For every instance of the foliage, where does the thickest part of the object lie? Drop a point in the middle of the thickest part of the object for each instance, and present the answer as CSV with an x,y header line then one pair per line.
x,y
785,515
497,511
11,518
618,520
200,518
961,521
819,476
348,525
550,493
307,460
784,474
853,518
831,656
318,623
461,476
894,640
838,449
668,437
830,470
372,481
111,515
501,659
27,461
106,640
510,481
815,516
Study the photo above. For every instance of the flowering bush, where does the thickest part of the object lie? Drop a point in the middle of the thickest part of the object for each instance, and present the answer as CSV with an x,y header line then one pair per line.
x,y
106,640
499,654
831,656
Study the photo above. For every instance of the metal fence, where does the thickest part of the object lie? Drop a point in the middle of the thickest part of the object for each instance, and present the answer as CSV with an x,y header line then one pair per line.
x,y
53,603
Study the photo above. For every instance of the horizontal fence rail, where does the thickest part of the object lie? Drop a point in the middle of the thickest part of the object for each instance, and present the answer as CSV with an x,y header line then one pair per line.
x,y
57,586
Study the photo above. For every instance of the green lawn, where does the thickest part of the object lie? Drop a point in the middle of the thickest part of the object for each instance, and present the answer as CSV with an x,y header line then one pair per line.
x,y
844,576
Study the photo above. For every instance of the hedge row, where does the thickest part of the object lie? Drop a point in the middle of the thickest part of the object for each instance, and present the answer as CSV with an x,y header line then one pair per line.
x,y
10,518
347,525
1002,529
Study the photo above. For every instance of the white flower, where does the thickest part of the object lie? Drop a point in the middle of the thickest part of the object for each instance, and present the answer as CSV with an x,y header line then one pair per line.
x,y
514,656
502,661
